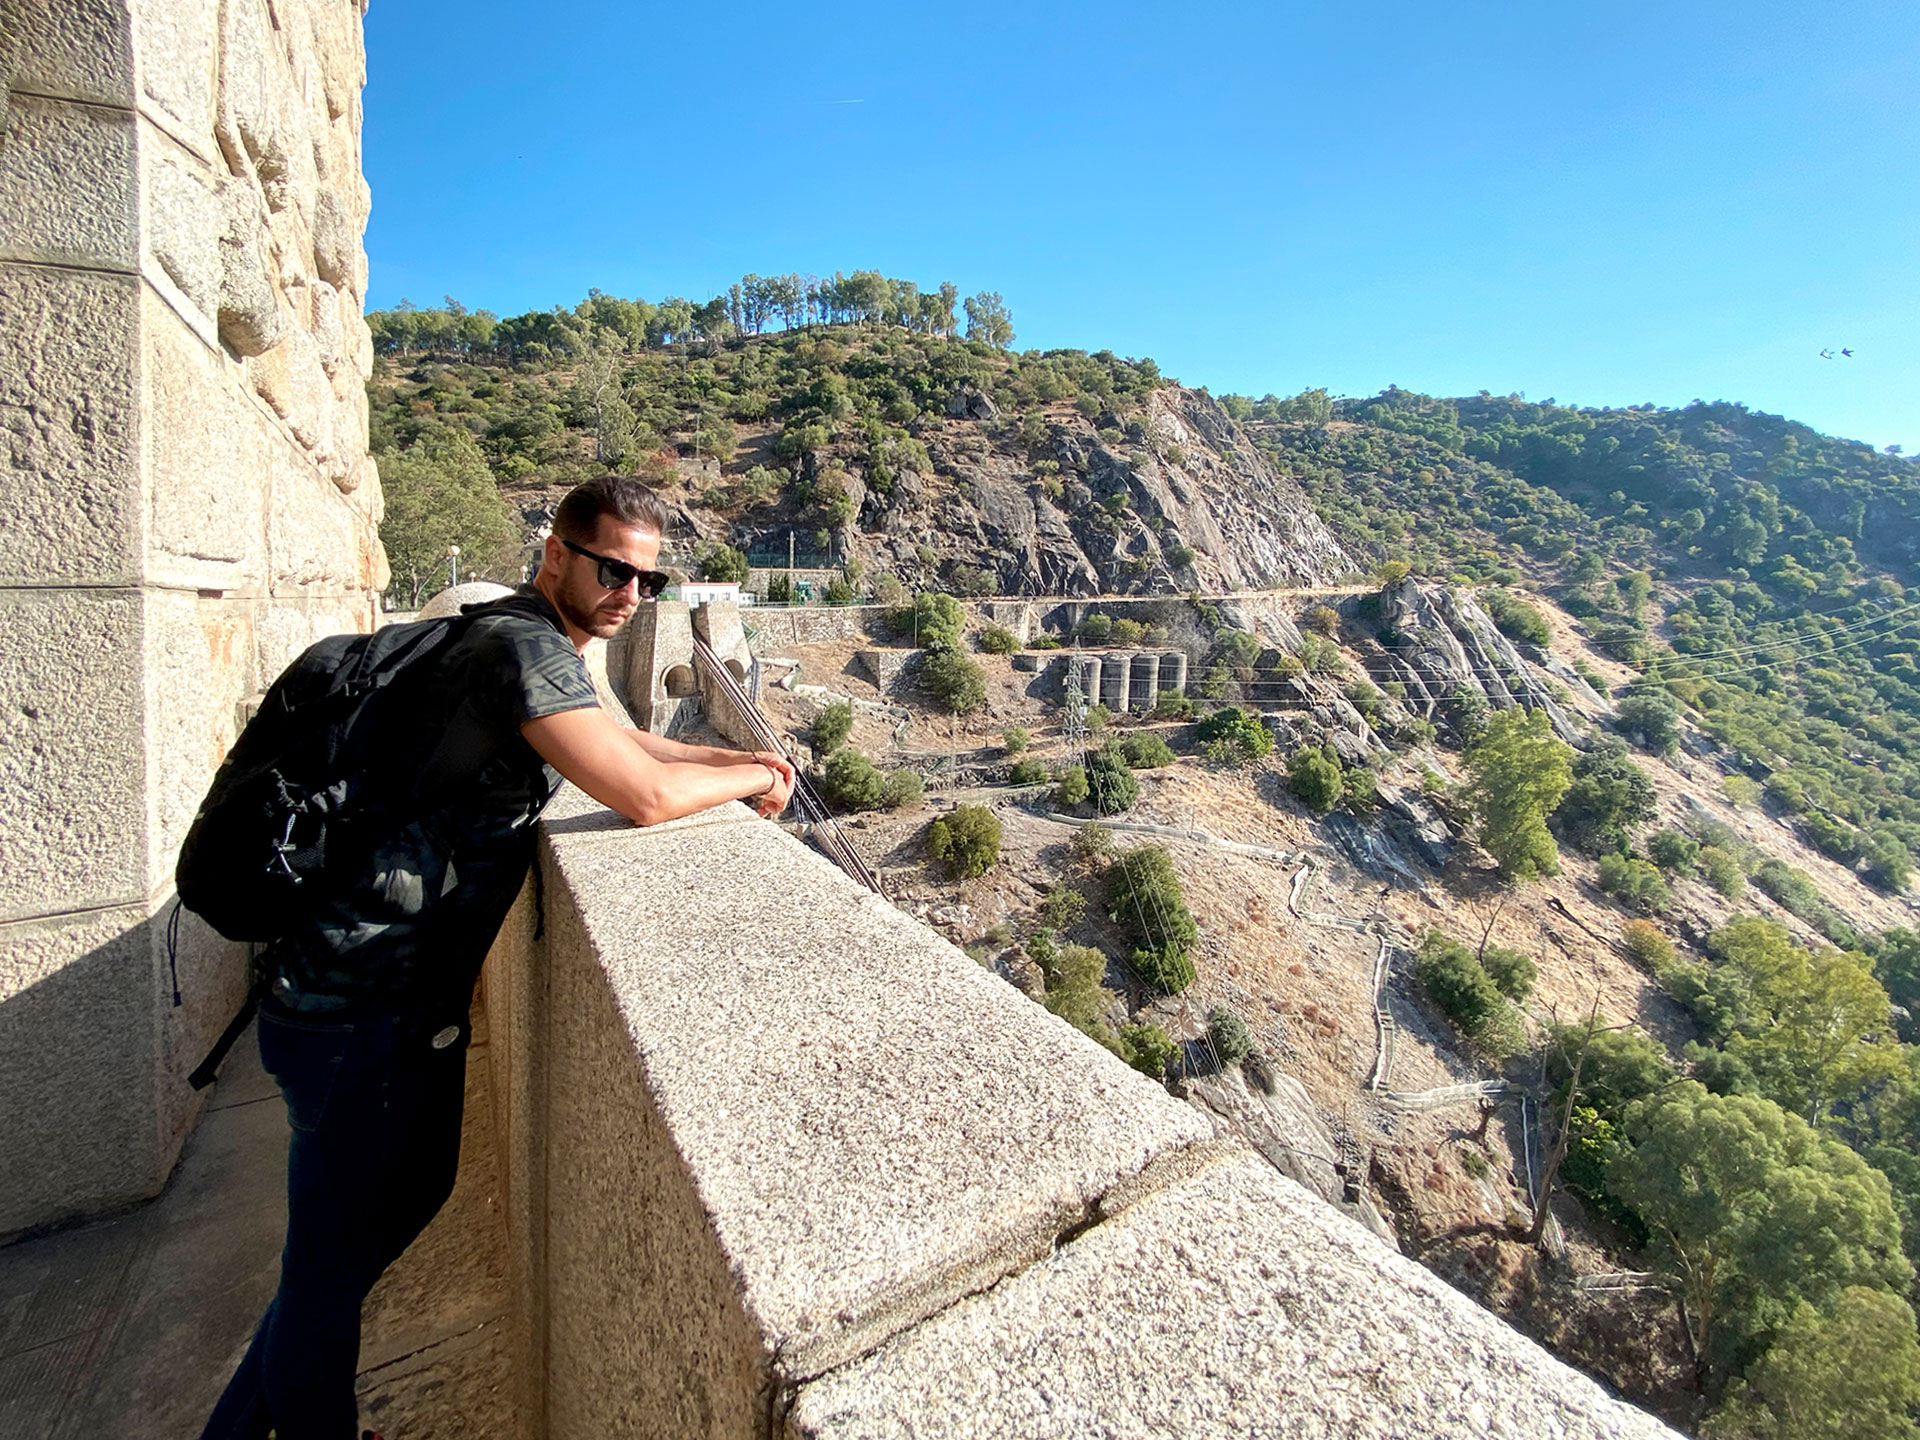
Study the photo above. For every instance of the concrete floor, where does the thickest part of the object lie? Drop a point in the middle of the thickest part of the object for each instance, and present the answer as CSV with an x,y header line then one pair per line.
x,y
129,1328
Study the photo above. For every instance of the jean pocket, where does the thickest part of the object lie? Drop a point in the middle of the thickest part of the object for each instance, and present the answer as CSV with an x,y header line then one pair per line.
x,y
306,1057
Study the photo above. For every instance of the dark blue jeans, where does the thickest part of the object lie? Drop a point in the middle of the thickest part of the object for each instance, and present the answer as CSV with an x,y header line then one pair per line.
x,y
375,1110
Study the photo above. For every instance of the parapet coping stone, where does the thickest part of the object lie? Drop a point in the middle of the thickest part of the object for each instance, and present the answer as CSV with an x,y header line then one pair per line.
x,y
1232,1303
875,1125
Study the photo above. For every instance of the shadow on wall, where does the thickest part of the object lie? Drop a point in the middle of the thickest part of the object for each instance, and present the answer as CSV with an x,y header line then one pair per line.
x,y
93,1060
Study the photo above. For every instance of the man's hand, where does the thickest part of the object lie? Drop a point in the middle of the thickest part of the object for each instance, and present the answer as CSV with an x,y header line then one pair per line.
x,y
775,800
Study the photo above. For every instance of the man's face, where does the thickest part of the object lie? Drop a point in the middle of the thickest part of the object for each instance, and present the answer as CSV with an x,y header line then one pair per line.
x,y
579,596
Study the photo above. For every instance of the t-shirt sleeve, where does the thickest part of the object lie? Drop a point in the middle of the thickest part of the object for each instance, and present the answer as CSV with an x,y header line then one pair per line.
x,y
539,673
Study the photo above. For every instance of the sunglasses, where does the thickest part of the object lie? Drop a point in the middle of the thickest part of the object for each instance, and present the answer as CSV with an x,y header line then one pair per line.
x,y
618,574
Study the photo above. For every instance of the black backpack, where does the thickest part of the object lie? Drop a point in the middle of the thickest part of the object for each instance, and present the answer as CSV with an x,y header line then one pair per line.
x,y
293,783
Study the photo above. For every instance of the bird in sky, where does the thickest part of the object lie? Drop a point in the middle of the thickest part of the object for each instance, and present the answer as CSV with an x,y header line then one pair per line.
x,y
1847,353
1826,354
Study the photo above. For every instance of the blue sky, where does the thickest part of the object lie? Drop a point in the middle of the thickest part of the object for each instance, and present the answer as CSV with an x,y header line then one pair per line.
x,y
1605,203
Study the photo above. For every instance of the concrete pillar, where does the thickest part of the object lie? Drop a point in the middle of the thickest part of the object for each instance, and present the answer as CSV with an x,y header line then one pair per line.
x,y
189,503
718,623
1146,680
1116,685
1173,672
1087,668
651,661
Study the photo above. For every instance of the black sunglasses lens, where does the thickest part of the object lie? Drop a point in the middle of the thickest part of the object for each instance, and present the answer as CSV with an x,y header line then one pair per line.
x,y
614,574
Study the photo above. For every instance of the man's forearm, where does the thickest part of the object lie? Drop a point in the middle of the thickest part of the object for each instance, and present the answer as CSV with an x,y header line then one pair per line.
x,y
679,752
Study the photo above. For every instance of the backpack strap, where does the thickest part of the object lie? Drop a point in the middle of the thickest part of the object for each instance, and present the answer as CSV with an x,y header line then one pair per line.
x,y
208,1069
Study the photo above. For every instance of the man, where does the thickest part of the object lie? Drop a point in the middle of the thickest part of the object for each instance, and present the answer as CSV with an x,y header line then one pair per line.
x,y
365,1020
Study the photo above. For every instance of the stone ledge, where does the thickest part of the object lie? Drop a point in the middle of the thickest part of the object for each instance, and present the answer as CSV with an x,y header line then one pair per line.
x,y
1235,1304
873,1123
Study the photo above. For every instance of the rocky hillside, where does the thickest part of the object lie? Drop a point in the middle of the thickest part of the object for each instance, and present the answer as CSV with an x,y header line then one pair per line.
x,y
1172,498
937,462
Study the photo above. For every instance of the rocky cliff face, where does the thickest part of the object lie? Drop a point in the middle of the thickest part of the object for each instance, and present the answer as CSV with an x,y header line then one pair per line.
x,y
1174,500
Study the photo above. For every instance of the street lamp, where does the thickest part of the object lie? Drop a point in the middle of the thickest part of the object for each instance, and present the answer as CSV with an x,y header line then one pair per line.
x,y
453,565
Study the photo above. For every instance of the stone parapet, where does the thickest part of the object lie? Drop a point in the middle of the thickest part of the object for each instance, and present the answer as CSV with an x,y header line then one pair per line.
x,y
783,1162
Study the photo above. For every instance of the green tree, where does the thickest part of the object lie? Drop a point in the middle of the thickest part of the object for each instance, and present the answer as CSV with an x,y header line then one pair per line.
x,y
1015,739
1634,883
935,621
1608,799
1238,731
1815,1026
1673,851
850,781
1849,1374
1313,778
439,492
1512,973
832,726
725,564
989,319
1751,1211
1145,896
1074,989
954,681
1145,750
1148,1048
1072,789
998,640
1229,1036
968,839
1651,720
1466,994
1722,872
1110,782
1520,772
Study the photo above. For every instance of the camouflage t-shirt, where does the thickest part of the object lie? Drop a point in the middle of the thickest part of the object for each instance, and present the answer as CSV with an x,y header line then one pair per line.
x,y
406,914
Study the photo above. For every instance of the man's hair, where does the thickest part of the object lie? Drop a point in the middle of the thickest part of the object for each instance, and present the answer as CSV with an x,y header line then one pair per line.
x,y
621,496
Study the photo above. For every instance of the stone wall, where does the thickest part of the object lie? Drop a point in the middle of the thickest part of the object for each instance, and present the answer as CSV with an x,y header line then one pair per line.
x,y
188,502
781,1162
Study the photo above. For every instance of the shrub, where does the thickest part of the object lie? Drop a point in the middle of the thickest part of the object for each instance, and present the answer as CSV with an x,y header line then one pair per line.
x,y
1742,791
1172,705
1110,784
1722,871
839,592
1516,619
1651,950
1147,1048
1228,1035
1145,896
832,726
1512,973
1015,739
1061,908
850,781
1673,851
1074,991
1126,632
1324,619
1166,968
998,640
1144,750
1634,883
1180,556
1787,792
933,620
1092,842
903,787
968,839
1391,572
779,590
1651,720
1313,778
1246,738
1072,789
1464,992
954,681
1889,862
1096,628
1610,798
723,563
1026,772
